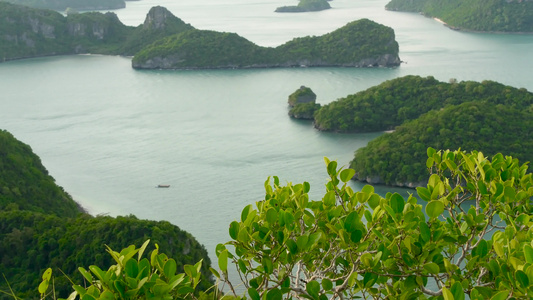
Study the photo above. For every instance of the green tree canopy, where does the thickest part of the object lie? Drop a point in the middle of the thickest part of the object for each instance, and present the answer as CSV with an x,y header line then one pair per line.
x,y
471,236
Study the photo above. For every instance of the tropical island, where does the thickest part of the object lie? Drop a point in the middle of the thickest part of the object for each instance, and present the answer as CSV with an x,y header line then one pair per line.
x,y
361,43
474,15
305,6
424,112
41,226
62,5
164,41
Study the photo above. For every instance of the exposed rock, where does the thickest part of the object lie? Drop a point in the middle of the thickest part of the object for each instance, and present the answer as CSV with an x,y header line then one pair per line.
x,y
302,95
157,18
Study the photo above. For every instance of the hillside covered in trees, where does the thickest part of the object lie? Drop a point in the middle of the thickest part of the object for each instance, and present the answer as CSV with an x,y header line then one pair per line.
x,y
304,6
41,226
391,103
361,43
475,15
398,158
424,112
61,5
165,41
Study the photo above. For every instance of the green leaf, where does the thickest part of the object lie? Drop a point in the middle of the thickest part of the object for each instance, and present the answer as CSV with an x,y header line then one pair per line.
x,y
397,203
373,201
351,221
292,246
431,268
234,230
43,286
330,199
482,248
215,272
430,152
434,208
457,291
447,294
522,278
528,253
425,232
86,274
245,212
327,284
141,250
254,295
313,288
423,193
301,242
170,268
267,265
223,261
332,168
271,216
500,295
274,294
347,174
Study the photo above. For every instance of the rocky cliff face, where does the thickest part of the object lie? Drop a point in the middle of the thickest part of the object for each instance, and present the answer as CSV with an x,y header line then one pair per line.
x,y
157,18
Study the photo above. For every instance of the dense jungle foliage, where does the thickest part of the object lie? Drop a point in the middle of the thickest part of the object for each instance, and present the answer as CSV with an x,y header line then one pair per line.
x,y
61,5
25,183
29,32
41,226
385,106
398,157
306,5
350,45
476,15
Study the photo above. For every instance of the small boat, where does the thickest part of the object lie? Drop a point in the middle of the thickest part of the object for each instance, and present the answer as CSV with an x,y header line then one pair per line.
x,y
163,185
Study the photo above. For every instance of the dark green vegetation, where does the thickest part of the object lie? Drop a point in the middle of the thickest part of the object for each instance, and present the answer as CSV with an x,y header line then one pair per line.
x,y
165,41
398,158
303,104
305,5
25,183
424,112
395,101
41,226
75,4
361,43
476,15
28,32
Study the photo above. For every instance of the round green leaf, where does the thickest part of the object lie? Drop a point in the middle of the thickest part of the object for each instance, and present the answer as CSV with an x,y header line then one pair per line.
x,y
274,294
327,284
434,208
397,203
347,174
431,268
223,261
313,288
254,295
234,230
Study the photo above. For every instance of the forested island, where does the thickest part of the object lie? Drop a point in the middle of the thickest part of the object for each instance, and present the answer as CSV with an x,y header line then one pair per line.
x,y
474,15
164,41
305,6
41,226
62,5
424,112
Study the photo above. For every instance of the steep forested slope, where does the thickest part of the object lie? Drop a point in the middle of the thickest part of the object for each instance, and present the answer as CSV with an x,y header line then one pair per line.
x,y
75,4
477,15
395,101
398,158
25,183
41,226
361,43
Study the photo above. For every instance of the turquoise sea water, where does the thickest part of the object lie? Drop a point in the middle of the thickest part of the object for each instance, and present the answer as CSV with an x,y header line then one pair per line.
x,y
110,134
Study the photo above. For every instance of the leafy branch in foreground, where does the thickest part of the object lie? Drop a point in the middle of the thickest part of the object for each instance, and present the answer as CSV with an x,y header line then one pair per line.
x,y
471,236
133,278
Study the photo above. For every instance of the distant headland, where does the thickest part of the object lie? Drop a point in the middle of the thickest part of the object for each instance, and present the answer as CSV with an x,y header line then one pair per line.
x,y
164,41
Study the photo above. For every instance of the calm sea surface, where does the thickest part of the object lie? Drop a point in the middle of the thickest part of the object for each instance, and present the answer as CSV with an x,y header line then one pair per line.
x,y
110,134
